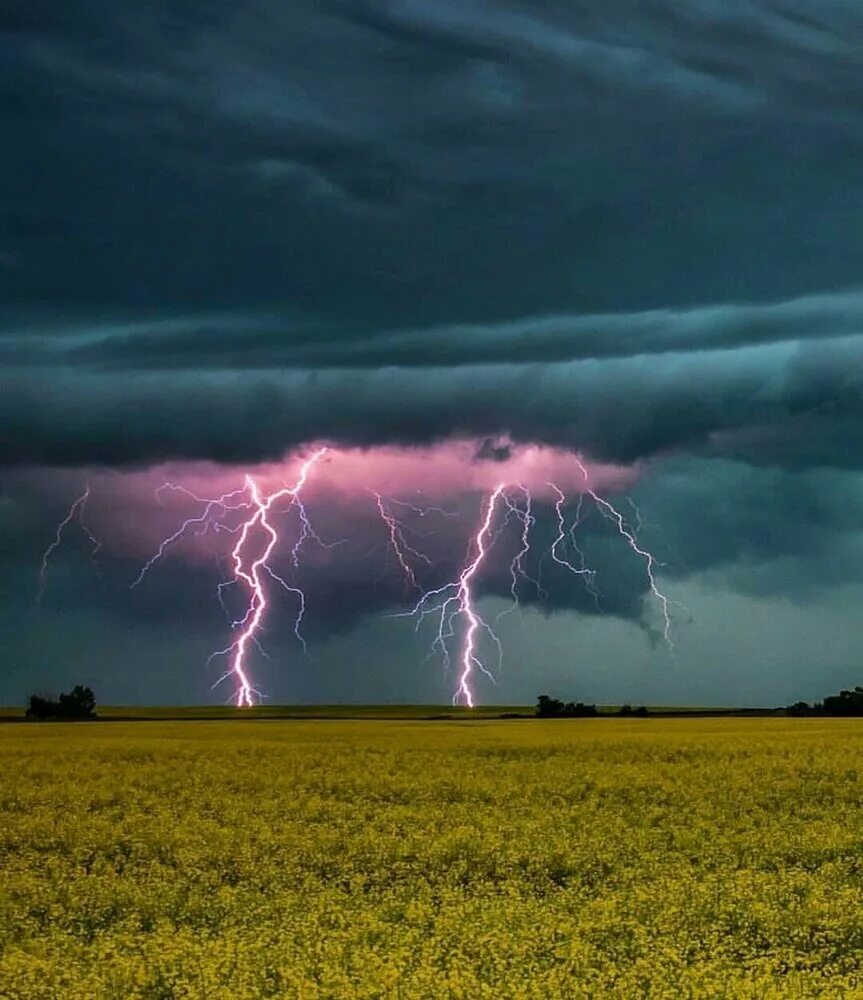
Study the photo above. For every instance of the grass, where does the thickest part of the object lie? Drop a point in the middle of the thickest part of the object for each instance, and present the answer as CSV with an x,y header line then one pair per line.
x,y
362,858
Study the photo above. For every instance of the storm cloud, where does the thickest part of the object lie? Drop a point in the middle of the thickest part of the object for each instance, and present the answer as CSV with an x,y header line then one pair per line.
x,y
793,403
227,231
629,231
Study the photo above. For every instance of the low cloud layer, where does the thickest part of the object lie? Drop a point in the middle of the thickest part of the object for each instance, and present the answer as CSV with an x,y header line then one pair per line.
x,y
793,403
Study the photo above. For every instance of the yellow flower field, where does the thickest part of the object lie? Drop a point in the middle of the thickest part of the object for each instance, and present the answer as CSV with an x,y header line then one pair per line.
x,y
232,860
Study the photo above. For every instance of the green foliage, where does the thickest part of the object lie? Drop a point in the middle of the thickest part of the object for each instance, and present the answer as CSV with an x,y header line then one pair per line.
x,y
714,858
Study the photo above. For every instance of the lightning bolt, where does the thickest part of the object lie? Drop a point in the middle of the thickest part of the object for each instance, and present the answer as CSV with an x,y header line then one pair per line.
x,y
611,514
248,515
562,534
247,569
398,543
589,580
516,567
455,600
76,510
423,511
250,573
202,522
465,598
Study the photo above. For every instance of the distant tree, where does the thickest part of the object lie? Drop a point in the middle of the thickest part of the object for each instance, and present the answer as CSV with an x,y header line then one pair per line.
x,y
552,708
548,708
846,703
578,710
801,708
79,703
40,707
628,710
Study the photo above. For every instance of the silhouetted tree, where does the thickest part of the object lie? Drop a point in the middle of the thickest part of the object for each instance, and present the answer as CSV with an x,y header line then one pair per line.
x,y
41,708
579,710
548,708
800,708
845,703
628,710
552,708
79,703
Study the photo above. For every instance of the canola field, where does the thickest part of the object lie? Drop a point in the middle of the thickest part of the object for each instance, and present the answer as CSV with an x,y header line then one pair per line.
x,y
237,860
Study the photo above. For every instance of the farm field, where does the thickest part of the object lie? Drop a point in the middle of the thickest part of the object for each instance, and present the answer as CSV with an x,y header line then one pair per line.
x,y
399,858
189,713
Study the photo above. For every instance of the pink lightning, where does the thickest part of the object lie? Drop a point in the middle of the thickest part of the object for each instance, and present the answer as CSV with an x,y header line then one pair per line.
x,y
465,598
202,521
76,510
398,543
460,603
248,514
247,569
650,562
251,621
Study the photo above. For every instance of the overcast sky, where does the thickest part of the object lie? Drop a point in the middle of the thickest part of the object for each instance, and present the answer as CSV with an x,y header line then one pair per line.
x,y
629,231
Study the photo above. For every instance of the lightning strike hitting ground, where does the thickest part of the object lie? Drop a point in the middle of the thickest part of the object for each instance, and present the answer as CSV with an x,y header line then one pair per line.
x,y
456,601
610,513
247,569
246,514
250,574
465,597
76,510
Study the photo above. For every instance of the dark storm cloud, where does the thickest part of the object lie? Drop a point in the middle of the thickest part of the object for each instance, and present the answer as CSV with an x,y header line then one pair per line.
x,y
406,163
259,342
628,228
798,404
326,198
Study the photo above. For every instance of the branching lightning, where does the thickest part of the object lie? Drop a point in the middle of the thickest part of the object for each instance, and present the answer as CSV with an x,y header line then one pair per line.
x,y
202,522
610,513
248,569
517,569
400,546
562,534
455,600
247,515
466,605
75,511
250,574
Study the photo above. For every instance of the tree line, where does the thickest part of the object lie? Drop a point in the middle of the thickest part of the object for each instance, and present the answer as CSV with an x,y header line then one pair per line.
x,y
848,704
79,703
553,708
